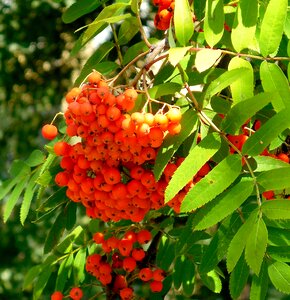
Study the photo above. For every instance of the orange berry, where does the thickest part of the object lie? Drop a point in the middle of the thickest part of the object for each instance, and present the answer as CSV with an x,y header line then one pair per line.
x,y
61,148
94,77
49,131
113,113
131,95
174,128
284,157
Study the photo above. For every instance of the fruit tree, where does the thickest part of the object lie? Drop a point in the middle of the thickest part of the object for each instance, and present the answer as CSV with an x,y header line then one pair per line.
x,y
166,175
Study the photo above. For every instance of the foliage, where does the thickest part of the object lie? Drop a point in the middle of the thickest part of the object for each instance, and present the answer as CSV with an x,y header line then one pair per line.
x,y
223,180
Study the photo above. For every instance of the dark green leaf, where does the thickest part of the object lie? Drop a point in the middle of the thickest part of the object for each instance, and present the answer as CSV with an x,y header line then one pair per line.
x,y
223,205
272,27
80,8
276,209
256,245
214,21
178,271
55,233
244,110
259,285
218,246
279,273
214,183
188,278
165,254
196,158
280,253
278,236
257,142
183,26
239,277
63,272
94,61
172,143
41,282
244,27
274,80
30,276
70,213
238,243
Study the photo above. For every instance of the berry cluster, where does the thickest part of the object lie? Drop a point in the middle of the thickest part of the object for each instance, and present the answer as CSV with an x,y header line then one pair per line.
x,y
110,169
75,294
122,263
165,13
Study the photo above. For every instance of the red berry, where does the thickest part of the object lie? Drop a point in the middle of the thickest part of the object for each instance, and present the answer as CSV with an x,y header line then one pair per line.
x,y
129,264
126,293
98,237
145,274
156,286
49,131
57,295
144,236
76,293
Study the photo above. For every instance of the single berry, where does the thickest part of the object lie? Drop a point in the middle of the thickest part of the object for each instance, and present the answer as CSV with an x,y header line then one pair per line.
x,y
57,295
49,131
76,293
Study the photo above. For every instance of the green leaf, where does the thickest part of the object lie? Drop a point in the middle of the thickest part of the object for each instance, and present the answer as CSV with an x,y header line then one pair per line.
x,y
165,254
176,54
276,179
256,245
238,243
13,198
266,163
135,6
44,179
224,81
30,277
54,200
259,285
110,14
65,245
244,26
223,205
183,26
218,246
41,282
128,29
27,197
63,272
242,111
279,273
242,88
19,169
214,183
7,186
278,236
80,8
274,80
94,60
272,26
70,212
36,158
239,277
79,265
257,142
178,271
280,253
196,158
188,278
172,143
206,58
55,233
214,21
167,88
276,209
212,281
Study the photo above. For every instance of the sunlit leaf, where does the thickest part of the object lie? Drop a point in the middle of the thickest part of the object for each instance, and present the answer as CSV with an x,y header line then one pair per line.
x,y
276,209
214,183
197,157
276,179
279,273
272,26
206,58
